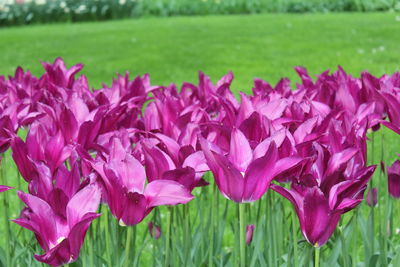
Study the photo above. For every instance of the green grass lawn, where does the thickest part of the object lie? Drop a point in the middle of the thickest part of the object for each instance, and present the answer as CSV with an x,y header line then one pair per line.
x,y
175,49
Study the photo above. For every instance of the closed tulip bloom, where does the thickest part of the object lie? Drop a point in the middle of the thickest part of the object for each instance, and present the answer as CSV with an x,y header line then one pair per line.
x,y
372,197
154,230
249,233
394,179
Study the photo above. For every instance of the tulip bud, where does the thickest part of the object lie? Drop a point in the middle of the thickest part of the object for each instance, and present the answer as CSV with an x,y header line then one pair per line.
x,y
154,230
249,233
372,197
394,179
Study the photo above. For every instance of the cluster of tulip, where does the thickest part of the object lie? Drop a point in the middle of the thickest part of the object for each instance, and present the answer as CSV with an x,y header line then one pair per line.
x,y
134,146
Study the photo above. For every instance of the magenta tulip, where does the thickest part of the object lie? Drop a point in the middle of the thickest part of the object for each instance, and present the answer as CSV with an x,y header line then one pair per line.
x,y
154,230
321,196
372,197
249,233
394,179
244,175
129,198
61,237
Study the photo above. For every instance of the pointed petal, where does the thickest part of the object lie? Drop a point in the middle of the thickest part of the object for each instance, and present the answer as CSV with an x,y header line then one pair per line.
x,y
157,162
391,126
20,156
43,218
162,192
259,175
295,198
316,216
229,180
85,201
240,153
339,159
4,188
131,173
77,234
185,176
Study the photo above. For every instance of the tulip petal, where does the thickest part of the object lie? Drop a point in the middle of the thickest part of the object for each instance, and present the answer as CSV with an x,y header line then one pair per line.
x,y
85,201
339,159
240,153
135,208
316,216
164,192
391,126
4,188
259,175
43,223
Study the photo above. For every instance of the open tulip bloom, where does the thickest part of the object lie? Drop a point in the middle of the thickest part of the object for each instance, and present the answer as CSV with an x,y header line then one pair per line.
x,y
129,197
60,235
134,146
322,195
244,175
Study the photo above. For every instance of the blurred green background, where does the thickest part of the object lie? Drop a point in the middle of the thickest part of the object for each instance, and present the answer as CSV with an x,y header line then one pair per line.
x,y
174,49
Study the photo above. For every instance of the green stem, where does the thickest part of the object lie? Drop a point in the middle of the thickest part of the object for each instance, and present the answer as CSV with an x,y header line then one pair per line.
x,y
187,244
267,224
7,235
294,234
128,245
354,243
167,238
371,186
383,228
211,248
242,229
344,250
108,240
272,229
372,224
90,246
316,261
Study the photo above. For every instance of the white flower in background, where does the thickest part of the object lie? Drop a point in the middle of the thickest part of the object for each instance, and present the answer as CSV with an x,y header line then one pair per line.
x,y
122,2
40,2
80,9
63,4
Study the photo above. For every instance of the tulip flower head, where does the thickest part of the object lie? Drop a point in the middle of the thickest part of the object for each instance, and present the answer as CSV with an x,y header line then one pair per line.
x,y
60,236
129,198
242,175
394,179
372,197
